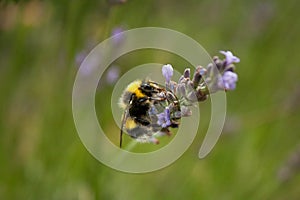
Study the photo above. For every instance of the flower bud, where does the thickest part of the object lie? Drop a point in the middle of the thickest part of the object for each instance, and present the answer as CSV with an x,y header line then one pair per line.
x,y
186,73
167,71
198,75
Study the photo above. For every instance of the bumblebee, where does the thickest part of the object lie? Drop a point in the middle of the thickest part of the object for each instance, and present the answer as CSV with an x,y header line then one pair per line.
x,y
141,102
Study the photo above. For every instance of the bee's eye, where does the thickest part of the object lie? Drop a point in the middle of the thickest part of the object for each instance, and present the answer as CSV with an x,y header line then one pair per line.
x,y
142,100
146,87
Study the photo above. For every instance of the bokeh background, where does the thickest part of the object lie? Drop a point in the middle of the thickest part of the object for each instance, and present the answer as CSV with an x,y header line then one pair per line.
x,y
41,46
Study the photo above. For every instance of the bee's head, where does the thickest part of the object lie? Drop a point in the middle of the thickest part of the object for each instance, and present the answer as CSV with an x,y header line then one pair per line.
x,y
149,88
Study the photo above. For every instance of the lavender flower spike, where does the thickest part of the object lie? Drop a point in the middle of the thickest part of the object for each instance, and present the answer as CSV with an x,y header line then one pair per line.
x,y
229,57
228,81
164,118
167,71
112,75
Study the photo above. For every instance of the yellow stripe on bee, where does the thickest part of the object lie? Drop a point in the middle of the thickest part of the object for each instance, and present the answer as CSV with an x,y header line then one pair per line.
x,y
134,88
130,124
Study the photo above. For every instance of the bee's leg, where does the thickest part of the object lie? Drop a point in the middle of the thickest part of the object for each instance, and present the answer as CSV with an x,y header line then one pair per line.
x,y
174,124
142,134
157,98
147,139
166,131
155,127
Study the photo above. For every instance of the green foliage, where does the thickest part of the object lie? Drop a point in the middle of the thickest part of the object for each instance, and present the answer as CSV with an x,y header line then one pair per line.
x,y
41,154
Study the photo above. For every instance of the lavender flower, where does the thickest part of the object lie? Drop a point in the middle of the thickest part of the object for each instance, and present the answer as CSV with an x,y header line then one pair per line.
x,y
230,58
172,85
178,97
81,55
79,58
167,71
181,90
228,80
181,79
164,118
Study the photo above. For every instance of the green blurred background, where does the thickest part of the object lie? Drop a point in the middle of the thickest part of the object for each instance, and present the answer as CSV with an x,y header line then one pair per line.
x,y
41,155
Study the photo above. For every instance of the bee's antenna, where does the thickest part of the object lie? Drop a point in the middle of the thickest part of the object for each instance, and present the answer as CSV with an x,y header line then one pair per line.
x,y
121,137
122,125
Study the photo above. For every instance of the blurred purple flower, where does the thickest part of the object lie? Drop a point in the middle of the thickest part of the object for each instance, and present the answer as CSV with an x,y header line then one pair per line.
x,y
167,71
83,53
113,74
228,81
118,37
164,118
80,57
229,57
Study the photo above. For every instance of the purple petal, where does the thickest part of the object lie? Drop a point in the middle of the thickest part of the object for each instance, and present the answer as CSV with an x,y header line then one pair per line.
x,y
164,118
228,81
229,57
